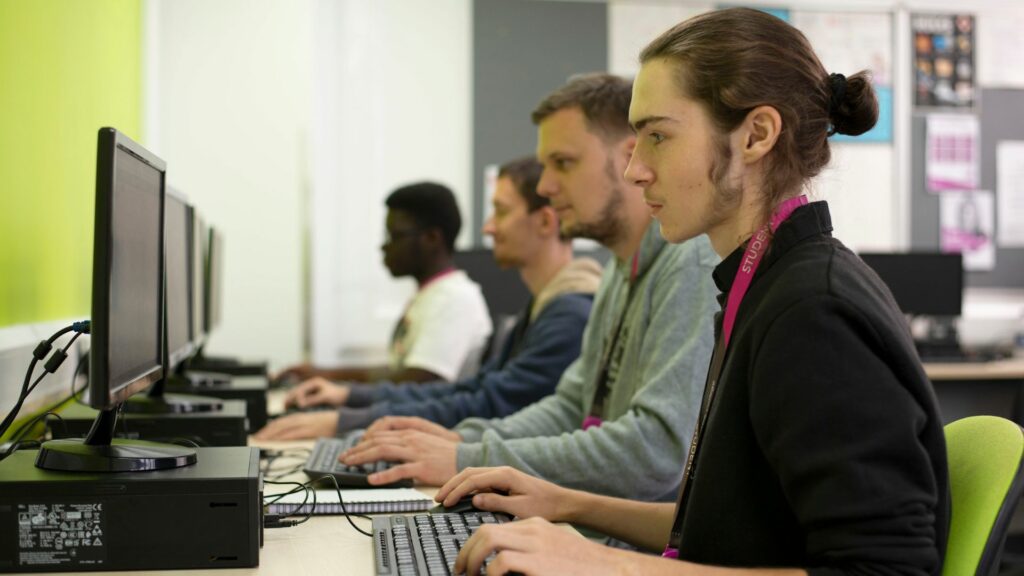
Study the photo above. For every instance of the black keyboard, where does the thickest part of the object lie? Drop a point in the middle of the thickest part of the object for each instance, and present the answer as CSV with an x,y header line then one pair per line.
x,y
425,544
323,461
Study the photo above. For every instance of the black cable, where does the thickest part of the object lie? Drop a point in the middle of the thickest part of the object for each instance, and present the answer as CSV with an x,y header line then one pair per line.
x,y
341,500
16,438
39,354
277,520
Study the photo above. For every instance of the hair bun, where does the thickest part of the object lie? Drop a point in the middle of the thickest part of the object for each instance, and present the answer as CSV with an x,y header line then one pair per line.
x,y
853,108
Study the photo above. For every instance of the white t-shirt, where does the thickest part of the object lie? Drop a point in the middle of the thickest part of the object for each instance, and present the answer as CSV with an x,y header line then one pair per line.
x,y
444,329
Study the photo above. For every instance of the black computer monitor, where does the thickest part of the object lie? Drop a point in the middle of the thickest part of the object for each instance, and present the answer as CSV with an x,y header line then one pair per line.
x,y
923,283
197,297
180,341
214,279
126,353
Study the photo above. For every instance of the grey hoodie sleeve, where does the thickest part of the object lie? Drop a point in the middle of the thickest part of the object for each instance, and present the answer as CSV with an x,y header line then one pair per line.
x,y
553,414
640,454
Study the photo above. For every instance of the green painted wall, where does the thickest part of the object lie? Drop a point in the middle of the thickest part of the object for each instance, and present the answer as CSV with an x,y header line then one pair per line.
x,y
67,67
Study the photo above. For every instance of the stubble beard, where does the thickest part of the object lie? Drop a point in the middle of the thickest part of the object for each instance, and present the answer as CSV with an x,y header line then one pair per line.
x,y
608,228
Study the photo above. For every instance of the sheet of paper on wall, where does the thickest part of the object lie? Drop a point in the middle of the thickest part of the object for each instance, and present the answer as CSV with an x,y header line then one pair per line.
x,y
848,42
1000,48
632,25
951,152
1010,192
490,184
967,225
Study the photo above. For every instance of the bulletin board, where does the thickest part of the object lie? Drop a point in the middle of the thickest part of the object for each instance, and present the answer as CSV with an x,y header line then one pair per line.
x,y
1000,118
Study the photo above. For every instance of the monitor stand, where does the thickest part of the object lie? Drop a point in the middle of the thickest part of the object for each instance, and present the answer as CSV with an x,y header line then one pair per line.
x,y
99,451
156,401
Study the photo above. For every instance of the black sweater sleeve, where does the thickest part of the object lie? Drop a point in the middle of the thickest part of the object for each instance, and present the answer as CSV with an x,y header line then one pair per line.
x,y
843,432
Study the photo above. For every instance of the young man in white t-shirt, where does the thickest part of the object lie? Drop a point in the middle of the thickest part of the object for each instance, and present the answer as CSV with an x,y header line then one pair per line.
x,y
445,327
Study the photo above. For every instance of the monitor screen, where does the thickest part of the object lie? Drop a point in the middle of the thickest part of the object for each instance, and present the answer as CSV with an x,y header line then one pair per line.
x,y
127,300
179,313
927,283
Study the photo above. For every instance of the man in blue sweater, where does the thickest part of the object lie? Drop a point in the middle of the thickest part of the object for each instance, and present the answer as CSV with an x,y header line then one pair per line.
x,y
545,340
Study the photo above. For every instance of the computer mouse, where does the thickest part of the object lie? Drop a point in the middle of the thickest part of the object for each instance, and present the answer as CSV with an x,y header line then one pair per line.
x,y
465,504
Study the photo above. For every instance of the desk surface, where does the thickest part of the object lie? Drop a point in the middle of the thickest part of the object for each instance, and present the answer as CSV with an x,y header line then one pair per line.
x,y
1009,369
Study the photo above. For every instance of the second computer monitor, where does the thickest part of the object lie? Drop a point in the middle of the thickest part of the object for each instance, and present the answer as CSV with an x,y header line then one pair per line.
x,y
179,280
214,277
923,283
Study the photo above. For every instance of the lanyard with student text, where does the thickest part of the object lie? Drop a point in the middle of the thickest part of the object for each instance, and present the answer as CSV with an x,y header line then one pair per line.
x,y
741,283
596,416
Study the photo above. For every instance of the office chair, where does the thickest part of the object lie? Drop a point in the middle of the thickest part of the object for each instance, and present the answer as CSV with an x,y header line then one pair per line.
x,y
986,481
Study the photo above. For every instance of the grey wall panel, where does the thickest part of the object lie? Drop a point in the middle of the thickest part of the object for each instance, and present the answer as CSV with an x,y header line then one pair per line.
x,y
1001,118
523,49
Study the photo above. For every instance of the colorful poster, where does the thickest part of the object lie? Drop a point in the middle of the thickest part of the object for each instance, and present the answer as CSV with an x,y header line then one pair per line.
x,y
944,67
951,152
967,221
1010,193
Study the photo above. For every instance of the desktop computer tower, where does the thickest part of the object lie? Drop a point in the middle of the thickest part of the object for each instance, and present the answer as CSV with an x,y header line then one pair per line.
x,y
251,389
208,515
225,427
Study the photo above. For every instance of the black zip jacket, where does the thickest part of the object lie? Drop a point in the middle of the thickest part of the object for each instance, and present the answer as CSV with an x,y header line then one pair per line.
x,y
824,448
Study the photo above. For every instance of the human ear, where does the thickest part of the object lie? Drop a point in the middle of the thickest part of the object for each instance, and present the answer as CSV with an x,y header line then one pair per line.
x,y
548,220
760,131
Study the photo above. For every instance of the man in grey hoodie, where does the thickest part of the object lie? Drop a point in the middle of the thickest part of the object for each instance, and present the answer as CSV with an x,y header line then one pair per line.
x,y
622,415
544,341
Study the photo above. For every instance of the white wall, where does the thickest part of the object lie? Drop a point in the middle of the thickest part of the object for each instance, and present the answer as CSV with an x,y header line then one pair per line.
x,y
392,105
227,101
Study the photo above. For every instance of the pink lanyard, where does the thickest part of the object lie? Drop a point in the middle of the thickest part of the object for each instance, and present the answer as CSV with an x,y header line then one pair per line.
x,y
752,259
741,283
437,276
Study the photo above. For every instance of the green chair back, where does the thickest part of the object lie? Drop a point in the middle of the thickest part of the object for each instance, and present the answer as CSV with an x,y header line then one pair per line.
x,y
985,454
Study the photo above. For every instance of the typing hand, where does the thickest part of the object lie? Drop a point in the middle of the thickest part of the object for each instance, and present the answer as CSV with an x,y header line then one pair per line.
x,y
394,423
534,547
300,426
425,458
505,489
317,391
302,371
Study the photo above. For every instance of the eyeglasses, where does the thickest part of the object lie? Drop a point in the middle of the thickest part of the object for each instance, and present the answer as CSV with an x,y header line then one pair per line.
x,y
392,236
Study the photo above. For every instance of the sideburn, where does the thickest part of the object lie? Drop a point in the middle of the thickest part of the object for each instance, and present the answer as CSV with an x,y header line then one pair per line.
x,y
726,197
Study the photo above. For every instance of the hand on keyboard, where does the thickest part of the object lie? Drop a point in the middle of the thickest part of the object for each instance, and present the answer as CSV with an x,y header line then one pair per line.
x,y
300,426
423,457
317,392
535,546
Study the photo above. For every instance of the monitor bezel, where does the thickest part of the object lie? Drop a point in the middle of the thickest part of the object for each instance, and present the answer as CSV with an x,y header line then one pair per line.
x,y
103,396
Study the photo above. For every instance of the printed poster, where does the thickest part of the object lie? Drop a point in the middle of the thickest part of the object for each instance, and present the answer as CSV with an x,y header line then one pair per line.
x,y
944,64
1010,193
951,153
967,221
